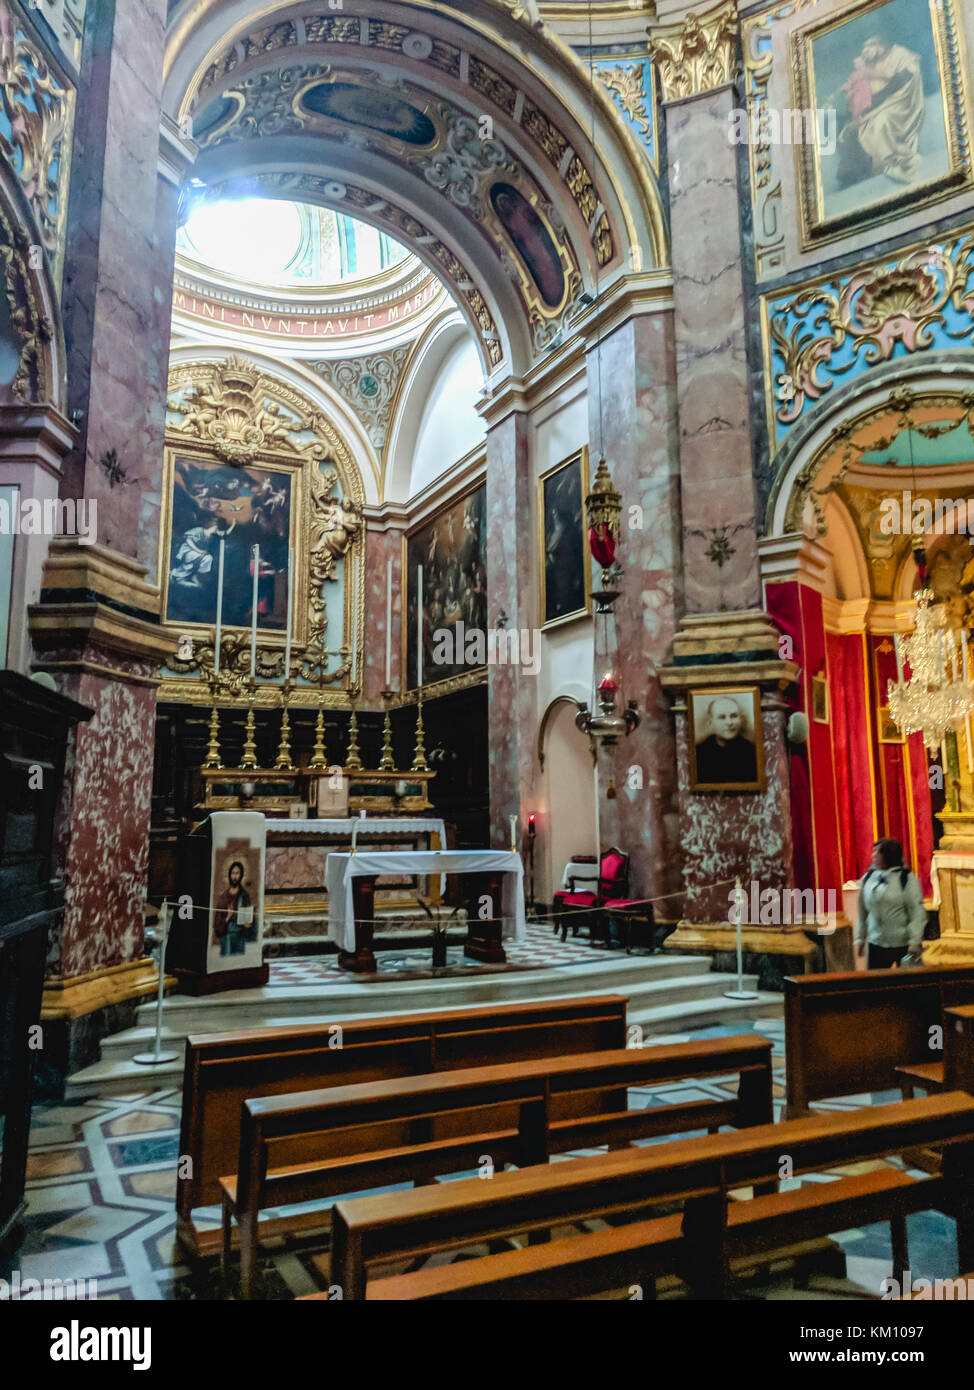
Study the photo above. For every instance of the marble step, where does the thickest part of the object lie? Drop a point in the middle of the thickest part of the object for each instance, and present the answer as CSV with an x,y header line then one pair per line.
x,y
662,1003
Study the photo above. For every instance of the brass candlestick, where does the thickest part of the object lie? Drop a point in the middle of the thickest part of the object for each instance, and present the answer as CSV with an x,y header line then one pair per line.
x,y
249,759
353,761
213,761
419,761
387,762
319,757
284,763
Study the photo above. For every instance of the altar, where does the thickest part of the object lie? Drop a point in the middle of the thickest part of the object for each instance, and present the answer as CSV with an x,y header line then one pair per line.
x,y
495,882
298,850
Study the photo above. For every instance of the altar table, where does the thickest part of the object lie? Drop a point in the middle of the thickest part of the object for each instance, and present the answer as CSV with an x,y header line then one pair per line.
x,y
297,852
496,874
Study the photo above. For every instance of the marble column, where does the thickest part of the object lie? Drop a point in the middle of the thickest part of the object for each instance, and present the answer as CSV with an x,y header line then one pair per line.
x,y
635,429
97,626
719,523
511,693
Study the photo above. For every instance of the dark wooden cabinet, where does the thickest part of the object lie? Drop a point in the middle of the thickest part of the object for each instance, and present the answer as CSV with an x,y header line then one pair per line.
x,y
35,724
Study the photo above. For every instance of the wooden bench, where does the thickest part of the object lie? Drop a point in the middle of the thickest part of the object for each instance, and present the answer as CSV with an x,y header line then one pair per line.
x,y
847,1033
956,1071
701,1245
414,1129
224,1069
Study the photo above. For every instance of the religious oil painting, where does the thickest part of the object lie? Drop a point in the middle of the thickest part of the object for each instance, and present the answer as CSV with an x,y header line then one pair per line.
x,y
565,579
236,903
889,730
239,507
452,551
532,241
891,71
820,700
383,112
726,749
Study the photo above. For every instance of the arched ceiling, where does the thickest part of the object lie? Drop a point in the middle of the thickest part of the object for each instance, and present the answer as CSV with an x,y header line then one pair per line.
x,y
461,131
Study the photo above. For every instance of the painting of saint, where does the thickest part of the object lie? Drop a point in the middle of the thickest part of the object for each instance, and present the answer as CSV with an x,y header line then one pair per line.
x,y
452,549
725,740
216,504
531,240
883,72
236,901
565,563
382,112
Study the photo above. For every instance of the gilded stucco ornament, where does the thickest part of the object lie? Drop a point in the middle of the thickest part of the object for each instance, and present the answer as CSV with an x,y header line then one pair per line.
x,y
697,55
37,109
31,380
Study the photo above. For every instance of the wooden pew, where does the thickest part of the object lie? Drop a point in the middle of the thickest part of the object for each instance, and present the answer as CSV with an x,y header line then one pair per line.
x,y
713,1231
414,1129
956,1071
847,1033
224,1069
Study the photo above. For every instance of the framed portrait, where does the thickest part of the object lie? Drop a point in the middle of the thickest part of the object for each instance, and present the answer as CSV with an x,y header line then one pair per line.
x,y
820,700
888,78
451,548
889,730
726,746
565,563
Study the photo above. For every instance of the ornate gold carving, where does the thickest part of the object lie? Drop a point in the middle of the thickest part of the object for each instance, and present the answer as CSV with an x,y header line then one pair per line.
x,y
31,380
38,109
370,385
233,411
626,82
697,55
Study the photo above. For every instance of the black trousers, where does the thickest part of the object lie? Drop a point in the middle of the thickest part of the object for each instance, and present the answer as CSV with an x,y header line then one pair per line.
x,y
884,957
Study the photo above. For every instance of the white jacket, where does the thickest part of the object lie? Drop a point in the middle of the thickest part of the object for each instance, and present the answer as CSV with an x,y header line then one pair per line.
x,y
891,912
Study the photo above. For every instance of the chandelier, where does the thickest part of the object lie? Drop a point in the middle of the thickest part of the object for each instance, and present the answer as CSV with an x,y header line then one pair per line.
x,y
936,697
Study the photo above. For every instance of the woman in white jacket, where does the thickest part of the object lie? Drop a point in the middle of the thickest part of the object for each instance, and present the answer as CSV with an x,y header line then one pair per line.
x,y
891,912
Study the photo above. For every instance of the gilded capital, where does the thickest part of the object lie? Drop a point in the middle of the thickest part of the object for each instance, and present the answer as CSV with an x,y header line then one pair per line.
x,y
697,54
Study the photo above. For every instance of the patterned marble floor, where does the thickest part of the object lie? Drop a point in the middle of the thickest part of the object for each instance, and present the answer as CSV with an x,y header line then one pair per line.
x,y
102,1181
542,948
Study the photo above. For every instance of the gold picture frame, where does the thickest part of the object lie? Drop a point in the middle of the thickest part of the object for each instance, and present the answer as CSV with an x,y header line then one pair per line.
x,y
734,745
459,675
578,588
820,700
887,729
831,208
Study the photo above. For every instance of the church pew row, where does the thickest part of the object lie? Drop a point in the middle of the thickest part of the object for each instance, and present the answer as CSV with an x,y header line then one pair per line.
x,y
956,1071
846,1033
224,1069
700,1246
315,1145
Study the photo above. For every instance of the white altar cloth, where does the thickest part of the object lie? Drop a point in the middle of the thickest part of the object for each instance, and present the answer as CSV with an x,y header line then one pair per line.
x,y
372,825
341,869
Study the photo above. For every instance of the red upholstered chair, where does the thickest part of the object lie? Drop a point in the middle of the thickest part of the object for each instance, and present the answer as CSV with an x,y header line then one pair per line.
x,y
585,906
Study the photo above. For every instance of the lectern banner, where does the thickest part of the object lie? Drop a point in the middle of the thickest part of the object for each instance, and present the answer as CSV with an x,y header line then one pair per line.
x,y
236,917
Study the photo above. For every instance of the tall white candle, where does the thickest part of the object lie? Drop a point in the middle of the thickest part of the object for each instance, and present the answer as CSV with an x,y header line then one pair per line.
x,y
953,658
963,643
419,628
354,621
218,635
389,624
290,611
899,657
513,821
255,557
940,656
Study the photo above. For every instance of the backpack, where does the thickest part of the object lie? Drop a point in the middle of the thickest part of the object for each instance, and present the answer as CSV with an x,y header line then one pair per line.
x,y
904,875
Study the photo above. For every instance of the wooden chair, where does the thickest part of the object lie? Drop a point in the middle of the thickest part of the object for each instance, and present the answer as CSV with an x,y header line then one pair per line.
x,y
702,1245
583,909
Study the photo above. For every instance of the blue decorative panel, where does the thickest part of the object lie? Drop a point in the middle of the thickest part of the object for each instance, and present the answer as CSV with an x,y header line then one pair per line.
x,y
629,81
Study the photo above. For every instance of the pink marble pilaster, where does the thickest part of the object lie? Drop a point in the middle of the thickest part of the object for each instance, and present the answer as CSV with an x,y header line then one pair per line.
x,y
719,526
511,693
636,430
381,545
